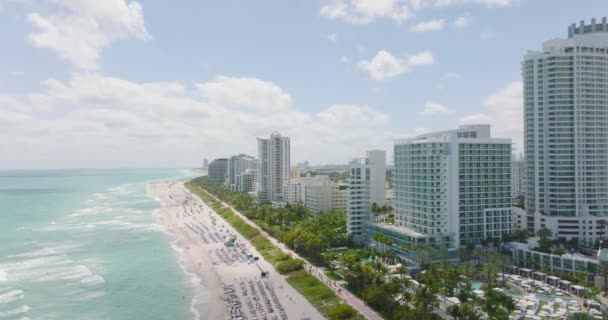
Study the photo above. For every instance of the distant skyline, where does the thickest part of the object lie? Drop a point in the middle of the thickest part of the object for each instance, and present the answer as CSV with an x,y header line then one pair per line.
x,y
120,83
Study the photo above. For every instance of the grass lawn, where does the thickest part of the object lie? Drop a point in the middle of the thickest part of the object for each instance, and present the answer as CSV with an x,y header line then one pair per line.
x,y
317,293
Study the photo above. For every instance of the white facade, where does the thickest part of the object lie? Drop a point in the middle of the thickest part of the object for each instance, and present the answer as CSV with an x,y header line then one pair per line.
x,y
453,187
274,157
566,133
322,197
366,186
518,176
237,165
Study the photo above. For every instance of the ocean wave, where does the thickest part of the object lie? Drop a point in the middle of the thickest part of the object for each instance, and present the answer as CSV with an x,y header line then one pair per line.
x,y
3,275
71,273
10,313
44,263
11,296
201,295
91,295
92,280
48,251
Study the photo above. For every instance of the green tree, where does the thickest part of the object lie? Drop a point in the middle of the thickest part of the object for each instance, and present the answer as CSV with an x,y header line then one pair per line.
x,y
580,316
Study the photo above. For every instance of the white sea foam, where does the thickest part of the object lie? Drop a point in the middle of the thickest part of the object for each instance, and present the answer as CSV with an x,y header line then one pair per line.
x,y
92,280
48,251
3,275
200,295
10,313
11,296
77,272
92,295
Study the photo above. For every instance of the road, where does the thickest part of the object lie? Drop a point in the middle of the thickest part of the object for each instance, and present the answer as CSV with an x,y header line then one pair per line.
x,y
340,291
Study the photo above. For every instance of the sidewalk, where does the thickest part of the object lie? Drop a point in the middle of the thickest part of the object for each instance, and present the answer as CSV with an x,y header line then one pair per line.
x,y
340,291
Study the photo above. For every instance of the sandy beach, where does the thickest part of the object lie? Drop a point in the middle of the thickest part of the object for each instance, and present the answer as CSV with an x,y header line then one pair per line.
x,y
230,273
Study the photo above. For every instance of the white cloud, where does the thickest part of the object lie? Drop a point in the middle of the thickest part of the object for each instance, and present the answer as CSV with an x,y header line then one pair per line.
x,y
344,59
462,21
333,37
487,3
384,65
432,109
367,11
82,29
260,95
504,111
429,26
102,121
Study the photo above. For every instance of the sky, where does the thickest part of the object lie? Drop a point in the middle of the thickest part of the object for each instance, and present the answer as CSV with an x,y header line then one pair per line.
x,y
152,83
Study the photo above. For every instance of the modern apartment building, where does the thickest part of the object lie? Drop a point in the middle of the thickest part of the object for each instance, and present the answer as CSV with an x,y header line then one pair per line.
x,y
218,169
274,158
322,197
247,181
366,186
452,187
518,176
205,164
566,133
237,165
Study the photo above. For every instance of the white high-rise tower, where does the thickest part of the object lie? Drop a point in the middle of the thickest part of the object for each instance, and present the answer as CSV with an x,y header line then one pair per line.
x,y
566,133
274,158
366,187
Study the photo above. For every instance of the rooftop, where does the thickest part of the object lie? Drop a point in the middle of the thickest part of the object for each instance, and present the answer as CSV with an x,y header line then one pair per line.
x,y
593,27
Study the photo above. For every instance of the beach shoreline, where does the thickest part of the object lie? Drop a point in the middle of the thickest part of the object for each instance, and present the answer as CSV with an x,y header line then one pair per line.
x,y
230,280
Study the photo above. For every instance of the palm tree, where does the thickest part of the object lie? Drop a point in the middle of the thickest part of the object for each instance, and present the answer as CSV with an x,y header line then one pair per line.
x,y
489,271
478,253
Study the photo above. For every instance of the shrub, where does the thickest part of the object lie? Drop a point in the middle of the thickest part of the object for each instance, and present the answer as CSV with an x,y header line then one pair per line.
x,y
290,265
283,256
341,312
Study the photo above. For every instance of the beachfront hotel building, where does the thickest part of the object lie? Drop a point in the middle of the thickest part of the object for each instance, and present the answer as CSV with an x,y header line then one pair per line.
x,y
451,188
218,169
274,158
237,165
366,186
566,133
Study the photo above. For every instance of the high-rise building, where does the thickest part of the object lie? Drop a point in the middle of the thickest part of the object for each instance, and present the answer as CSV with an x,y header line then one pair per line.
x,y
518,176
566,133
237,165
452,187
247,181
274,158
205,164
218,169
366,186
325,196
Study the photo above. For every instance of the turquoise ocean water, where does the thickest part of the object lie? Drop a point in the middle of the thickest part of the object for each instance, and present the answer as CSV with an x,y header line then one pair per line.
x,y
85,244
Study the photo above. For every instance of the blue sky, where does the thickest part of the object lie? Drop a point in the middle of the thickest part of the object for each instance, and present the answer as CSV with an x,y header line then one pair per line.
x,y
163,84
